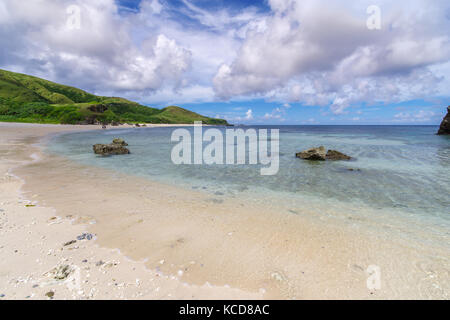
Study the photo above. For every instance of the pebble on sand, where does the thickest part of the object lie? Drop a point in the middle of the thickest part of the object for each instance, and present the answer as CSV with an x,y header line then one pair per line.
x,y
69,243
85,236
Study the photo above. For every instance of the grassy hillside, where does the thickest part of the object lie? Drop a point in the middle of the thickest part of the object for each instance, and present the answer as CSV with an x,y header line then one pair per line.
x,y
25,98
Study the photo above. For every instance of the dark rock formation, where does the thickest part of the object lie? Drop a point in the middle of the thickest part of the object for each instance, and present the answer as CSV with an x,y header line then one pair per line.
x,y
92,119
117,147
336,155
120,142
318,154
110,149
445,125
321,154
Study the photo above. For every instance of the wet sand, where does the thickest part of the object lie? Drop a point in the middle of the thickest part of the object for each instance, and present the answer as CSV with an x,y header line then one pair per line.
x,y
192,244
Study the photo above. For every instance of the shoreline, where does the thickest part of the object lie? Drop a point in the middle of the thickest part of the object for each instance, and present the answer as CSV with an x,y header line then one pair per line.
x,y
271,255
32,247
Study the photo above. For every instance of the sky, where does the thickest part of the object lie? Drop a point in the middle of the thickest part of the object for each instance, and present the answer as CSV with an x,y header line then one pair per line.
x,y
250,62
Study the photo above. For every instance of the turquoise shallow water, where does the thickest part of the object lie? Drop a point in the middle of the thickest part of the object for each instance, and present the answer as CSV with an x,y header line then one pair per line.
x,y
404,170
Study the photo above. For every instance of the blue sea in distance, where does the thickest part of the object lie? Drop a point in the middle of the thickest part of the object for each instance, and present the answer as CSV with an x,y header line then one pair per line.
x,y
404,170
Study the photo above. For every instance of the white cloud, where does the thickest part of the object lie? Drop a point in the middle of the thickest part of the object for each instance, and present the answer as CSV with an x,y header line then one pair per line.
x,y
419,116
249,115
277,113
100,55
310,51
156,6
236,117
319,53
270,116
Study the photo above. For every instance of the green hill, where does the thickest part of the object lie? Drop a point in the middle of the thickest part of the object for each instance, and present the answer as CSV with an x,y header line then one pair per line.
x,y
25,98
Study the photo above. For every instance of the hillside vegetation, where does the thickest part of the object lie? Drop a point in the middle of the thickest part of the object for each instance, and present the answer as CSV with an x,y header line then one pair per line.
x,y
25,98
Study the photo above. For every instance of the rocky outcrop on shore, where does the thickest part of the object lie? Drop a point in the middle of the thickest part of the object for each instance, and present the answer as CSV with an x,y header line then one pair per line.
x,y
445,125
321,154
115,148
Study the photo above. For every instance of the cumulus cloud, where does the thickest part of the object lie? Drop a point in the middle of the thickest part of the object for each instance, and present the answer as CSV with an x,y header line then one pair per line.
x,y
98,52
315,52
233,116
278,113
323,54
273,116
249,114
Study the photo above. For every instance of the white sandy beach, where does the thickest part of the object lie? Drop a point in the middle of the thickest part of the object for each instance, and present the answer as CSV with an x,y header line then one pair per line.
x,y
181,244
32,244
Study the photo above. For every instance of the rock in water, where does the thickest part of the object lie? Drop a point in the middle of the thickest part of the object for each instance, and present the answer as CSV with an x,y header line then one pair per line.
x,y
120,142
321,154
110,149
445,125
117,147
336,155
313,154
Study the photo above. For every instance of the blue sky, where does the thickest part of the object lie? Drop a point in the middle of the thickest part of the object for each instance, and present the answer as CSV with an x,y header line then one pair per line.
x,y
205,4
253,62
414,112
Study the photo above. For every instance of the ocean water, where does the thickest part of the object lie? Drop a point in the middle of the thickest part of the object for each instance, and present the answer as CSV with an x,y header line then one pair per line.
x,y
403,178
